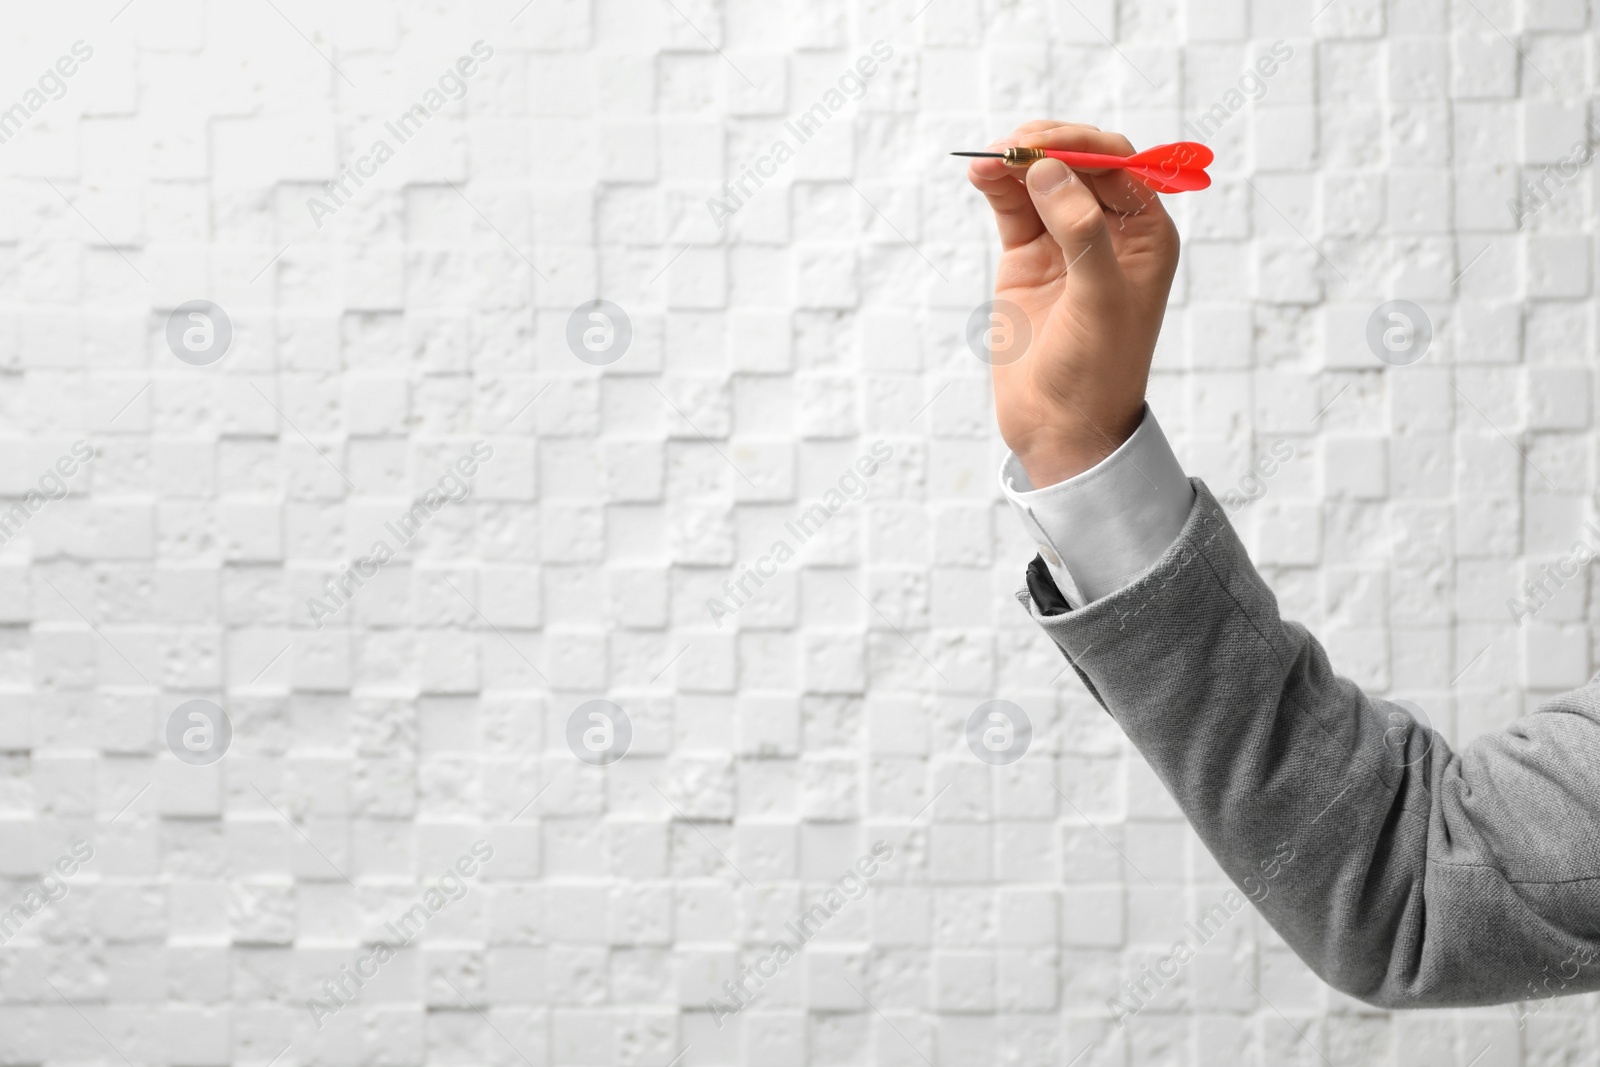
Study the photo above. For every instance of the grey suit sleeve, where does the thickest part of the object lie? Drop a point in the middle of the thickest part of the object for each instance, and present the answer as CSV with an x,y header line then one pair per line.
x,y
1402,872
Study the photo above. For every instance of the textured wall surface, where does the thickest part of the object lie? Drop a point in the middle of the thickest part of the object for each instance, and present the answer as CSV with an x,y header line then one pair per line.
x,y
330,500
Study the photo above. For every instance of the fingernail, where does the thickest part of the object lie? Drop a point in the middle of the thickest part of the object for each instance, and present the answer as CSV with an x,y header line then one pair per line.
x,y
1047,175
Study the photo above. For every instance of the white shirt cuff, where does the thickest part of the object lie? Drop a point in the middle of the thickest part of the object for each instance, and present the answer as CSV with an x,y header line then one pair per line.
x,y
1101,529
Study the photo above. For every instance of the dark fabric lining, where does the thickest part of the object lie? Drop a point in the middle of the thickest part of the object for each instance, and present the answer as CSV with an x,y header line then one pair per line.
x,y
1043,589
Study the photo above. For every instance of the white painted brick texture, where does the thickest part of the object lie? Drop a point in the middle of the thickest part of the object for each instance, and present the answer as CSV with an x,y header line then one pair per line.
x,y
433,305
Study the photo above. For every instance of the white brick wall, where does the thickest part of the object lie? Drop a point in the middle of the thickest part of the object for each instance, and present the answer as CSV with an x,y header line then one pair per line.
x,y
430,310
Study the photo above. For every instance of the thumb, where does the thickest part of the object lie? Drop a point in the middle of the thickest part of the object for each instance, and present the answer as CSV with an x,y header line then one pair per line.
x,y
1072,214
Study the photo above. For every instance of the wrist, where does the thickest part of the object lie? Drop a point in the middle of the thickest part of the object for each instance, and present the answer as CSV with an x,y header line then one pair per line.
x,y
1053,456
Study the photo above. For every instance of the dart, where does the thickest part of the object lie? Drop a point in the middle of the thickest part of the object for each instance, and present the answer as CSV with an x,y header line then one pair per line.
x,y
1168,168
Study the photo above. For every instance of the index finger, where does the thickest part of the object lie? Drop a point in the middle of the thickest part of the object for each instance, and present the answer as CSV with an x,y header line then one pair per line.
x,y
1117,190
1014,214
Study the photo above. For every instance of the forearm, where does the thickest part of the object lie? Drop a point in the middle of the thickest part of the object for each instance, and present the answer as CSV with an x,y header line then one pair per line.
x,y
1417,878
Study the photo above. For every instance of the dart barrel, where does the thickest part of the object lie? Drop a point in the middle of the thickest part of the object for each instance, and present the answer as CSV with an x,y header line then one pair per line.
x,y
1021,157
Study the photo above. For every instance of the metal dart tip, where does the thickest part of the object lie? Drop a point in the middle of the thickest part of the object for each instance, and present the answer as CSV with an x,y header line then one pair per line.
x,y
1013,157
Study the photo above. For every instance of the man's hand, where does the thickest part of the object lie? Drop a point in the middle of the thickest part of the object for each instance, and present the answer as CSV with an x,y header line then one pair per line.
x,y
1089,257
